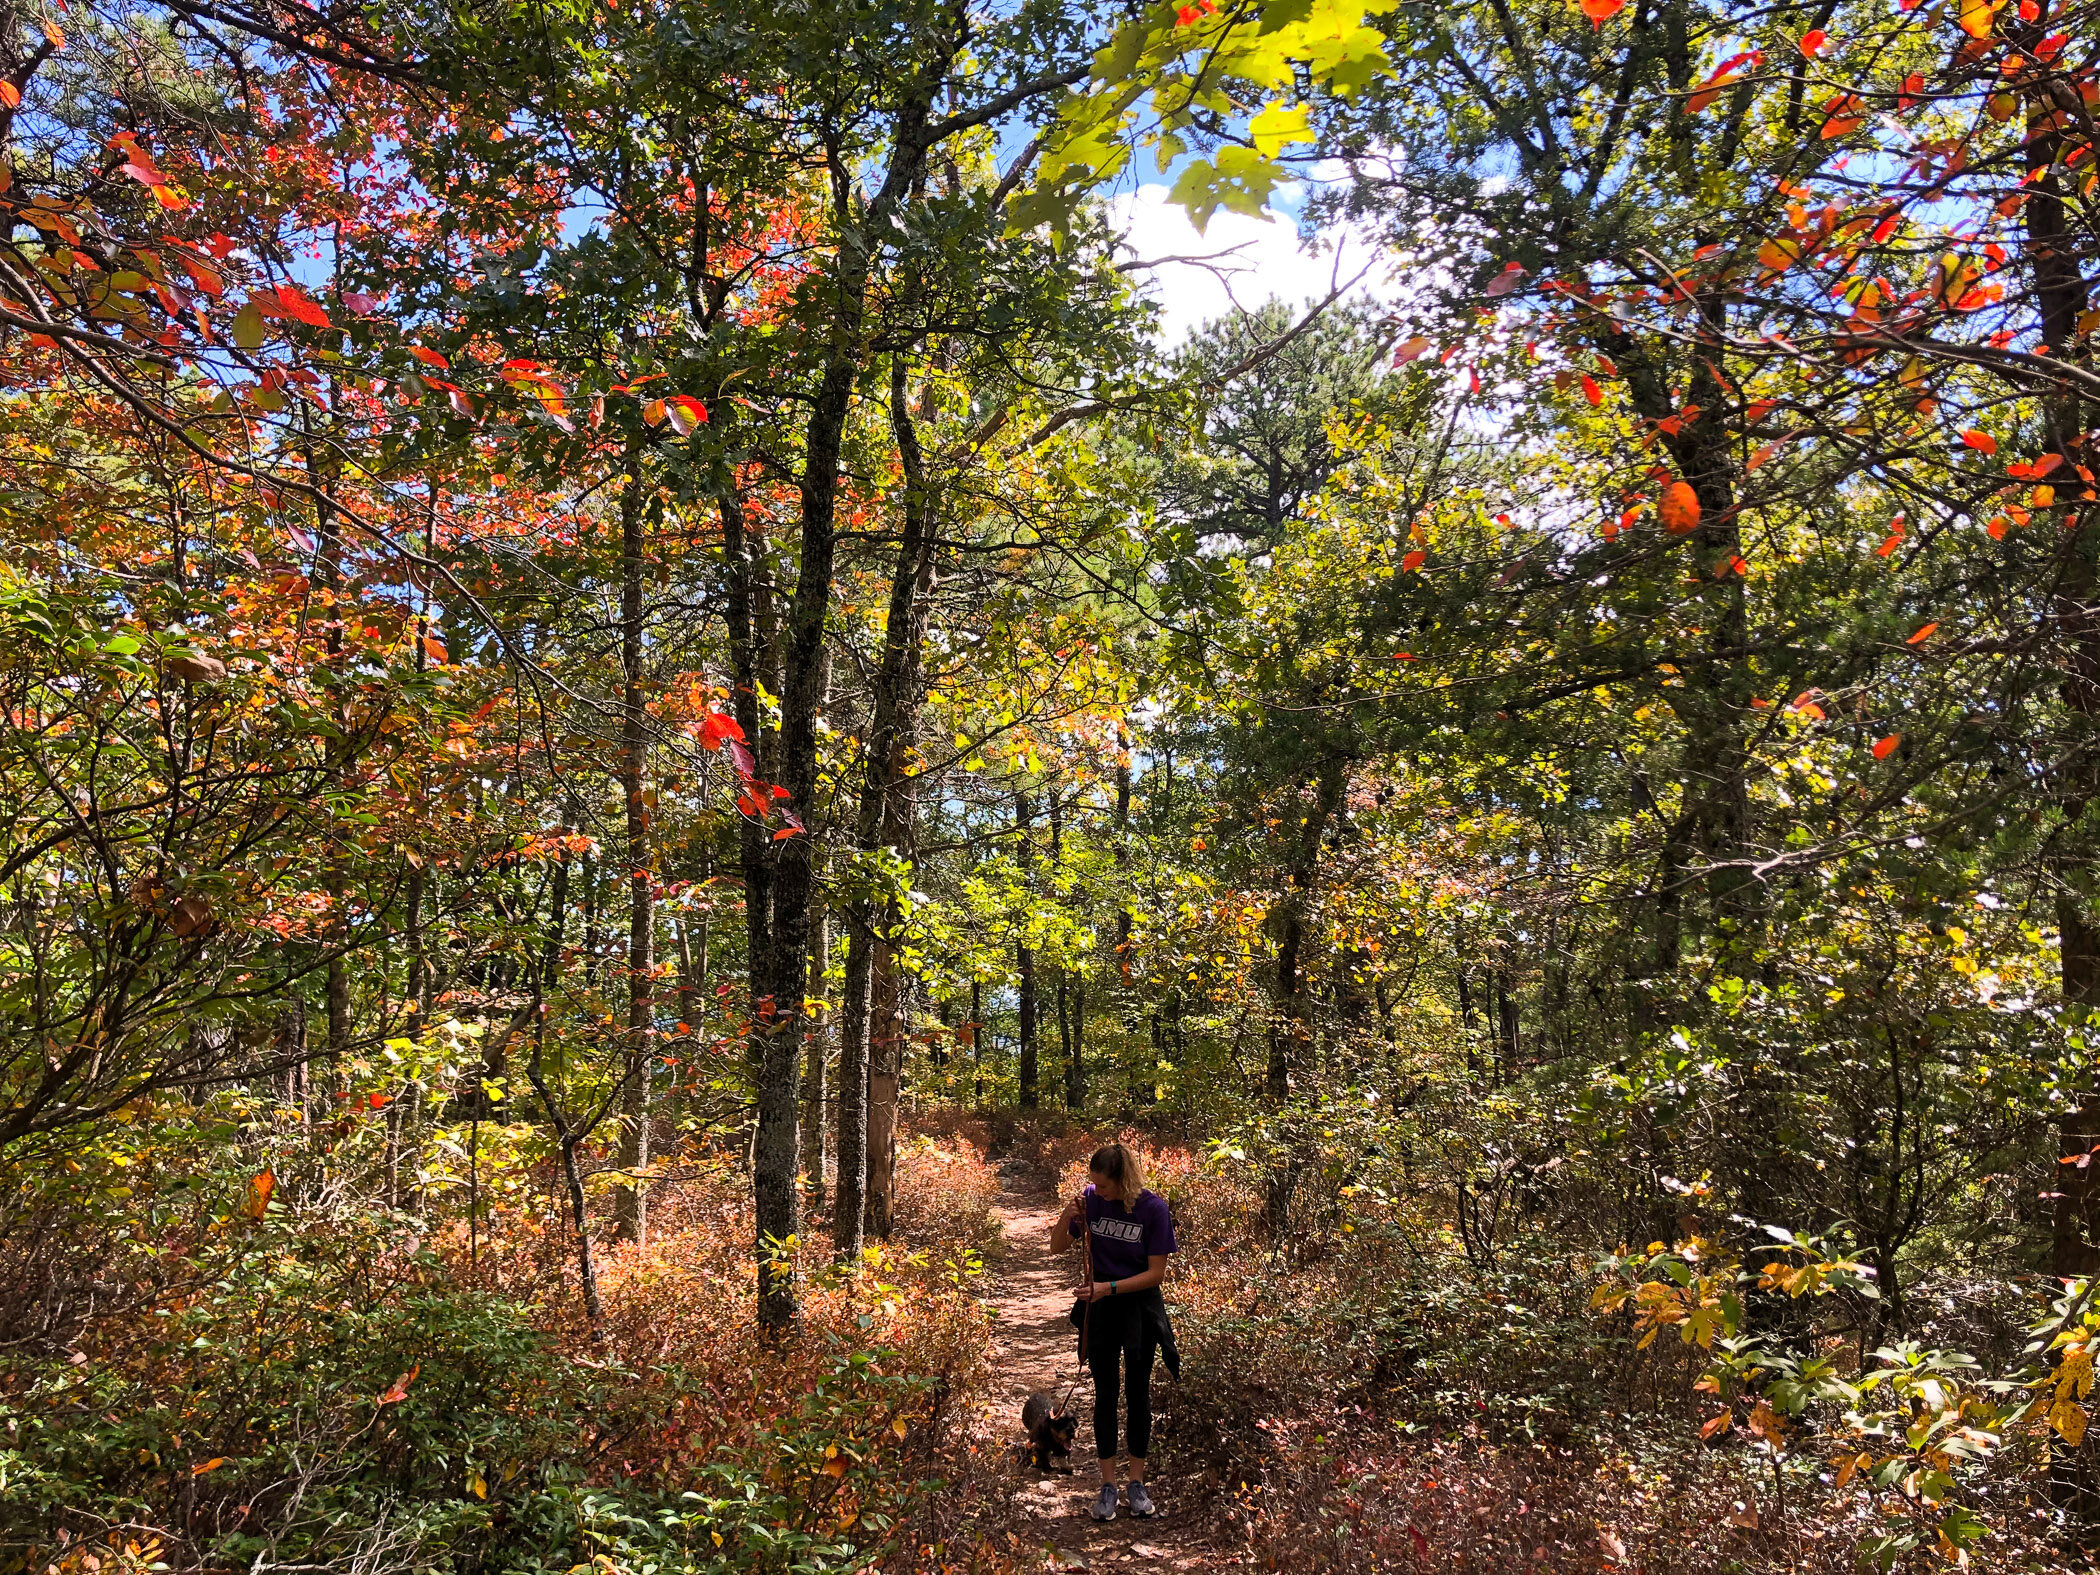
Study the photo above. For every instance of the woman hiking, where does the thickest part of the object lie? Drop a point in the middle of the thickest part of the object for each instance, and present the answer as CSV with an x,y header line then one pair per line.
x,y
1121,1314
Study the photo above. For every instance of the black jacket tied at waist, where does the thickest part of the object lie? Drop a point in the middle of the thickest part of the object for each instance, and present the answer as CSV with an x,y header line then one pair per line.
x,y
1136,1322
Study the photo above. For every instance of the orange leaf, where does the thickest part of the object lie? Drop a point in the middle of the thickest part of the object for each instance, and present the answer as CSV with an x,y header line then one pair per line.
x,y
256,1202
1413,350
1601,11
835,1467
1713,1425
434,648
212,1464
1591,391
10,95
1813,40
2044,465
1413,560
1679,509
1885,747
1923,634
430,358
1982,442
292,301
399,1391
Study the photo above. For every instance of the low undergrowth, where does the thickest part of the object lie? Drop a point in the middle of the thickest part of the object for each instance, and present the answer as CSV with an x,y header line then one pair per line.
x,y
299,1381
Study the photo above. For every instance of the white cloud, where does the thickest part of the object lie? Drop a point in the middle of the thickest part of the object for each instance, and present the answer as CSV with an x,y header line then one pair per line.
x,y
1249,262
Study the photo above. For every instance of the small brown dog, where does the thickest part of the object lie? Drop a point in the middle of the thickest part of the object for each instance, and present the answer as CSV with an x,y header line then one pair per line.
x,y
1050,1431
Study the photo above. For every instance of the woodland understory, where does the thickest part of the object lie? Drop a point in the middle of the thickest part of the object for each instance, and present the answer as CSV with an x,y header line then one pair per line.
x,y
637,688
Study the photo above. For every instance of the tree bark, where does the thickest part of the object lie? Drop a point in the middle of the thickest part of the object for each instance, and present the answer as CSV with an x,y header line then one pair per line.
x,y
849,1206
815,1132
1024,960
1288,1031
631,1196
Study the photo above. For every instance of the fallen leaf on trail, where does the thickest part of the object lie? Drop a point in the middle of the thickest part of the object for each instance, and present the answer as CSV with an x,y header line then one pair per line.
x,y
1745,1518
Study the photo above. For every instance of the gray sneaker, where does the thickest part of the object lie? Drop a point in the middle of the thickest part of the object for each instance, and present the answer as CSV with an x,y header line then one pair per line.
x,y
1105,1504
1141,1505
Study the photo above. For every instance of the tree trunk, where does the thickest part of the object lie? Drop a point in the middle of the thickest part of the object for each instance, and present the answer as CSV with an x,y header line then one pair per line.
x,y
631,1196
1024,958
1288,1032
849,1207
815,1132
885,1074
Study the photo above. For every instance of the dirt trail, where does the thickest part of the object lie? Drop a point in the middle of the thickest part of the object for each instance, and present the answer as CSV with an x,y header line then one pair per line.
x,y
1036,1350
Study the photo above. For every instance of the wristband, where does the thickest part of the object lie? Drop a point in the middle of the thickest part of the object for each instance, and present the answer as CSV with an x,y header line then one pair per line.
x,y
1111,1287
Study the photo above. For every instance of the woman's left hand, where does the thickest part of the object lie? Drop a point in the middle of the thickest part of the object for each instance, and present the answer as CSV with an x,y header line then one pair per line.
x,y
1095,1292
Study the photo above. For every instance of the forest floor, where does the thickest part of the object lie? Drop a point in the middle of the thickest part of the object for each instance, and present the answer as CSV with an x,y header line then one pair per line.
x,y
1036,1349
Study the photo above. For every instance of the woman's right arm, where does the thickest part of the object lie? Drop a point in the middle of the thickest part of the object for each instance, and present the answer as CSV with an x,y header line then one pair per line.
x,y
1061,1232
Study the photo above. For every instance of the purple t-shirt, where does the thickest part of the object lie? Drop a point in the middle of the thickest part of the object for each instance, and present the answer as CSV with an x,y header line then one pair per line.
x,y
1123,1238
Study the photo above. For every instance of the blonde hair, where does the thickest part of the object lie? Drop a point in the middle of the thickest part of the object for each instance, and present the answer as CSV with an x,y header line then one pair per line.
x,y
1120,1164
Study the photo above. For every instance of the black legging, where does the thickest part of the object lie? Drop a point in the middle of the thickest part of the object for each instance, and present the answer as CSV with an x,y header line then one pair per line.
x,y
1118,1338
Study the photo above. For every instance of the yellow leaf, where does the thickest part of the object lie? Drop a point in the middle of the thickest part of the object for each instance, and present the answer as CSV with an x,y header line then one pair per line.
x,y
209,1465
897,1426
1978,17
1279,125
2068,1418
478,1485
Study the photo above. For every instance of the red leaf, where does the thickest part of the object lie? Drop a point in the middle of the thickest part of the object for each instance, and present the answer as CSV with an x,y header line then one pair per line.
x,y
1601,11
1421,1542
1982,442
718,727
1885,747
1413,350
685,412
1413,560
1812,42
399,1391
1591,391
1713,1425
1922,635
1507,280
292,301
430,358
2044,465
10,95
